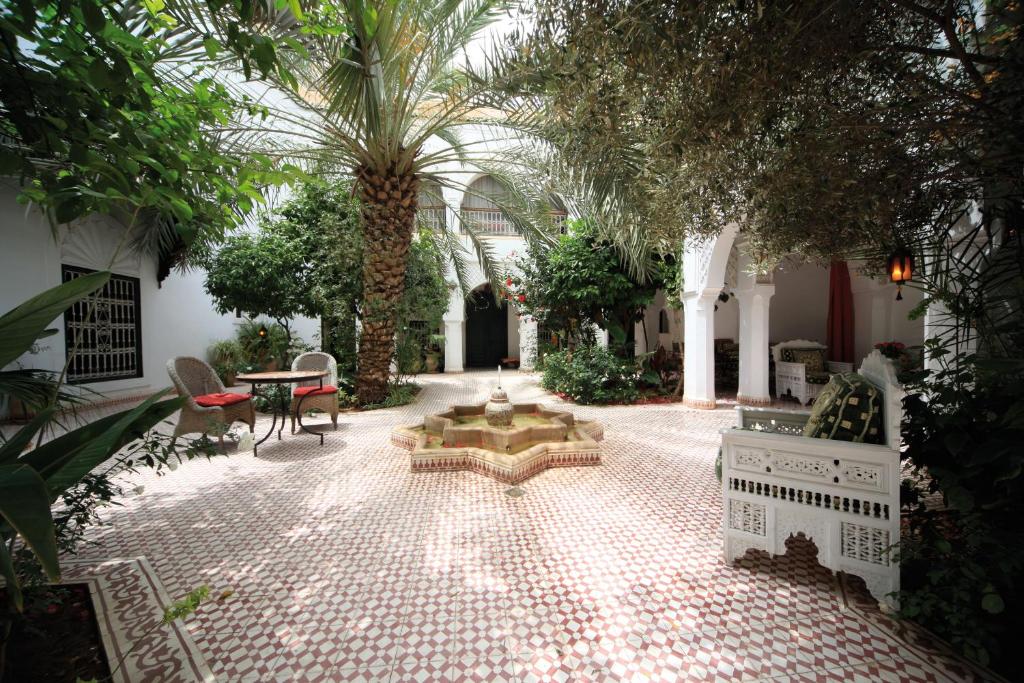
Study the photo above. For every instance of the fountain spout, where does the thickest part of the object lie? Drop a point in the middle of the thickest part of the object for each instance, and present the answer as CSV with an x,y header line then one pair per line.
x,y
498,412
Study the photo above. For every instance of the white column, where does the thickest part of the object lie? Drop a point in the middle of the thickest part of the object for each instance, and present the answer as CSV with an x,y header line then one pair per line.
x,y
754,315
453,345
699,352
454,331
527,343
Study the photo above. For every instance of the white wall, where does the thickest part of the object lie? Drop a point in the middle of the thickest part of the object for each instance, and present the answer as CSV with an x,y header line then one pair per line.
x,y
727,319
178,319
799,309
513,332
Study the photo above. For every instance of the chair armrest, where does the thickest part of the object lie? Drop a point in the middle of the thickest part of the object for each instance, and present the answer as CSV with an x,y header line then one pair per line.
x,y
839,366
796,371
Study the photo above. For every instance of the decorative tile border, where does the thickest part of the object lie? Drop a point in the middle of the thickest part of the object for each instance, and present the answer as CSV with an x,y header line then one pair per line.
x,y
129,602
517,468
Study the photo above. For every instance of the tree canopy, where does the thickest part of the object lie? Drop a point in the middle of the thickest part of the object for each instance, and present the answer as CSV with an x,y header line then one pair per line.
x,y
581,281
820,128
118,108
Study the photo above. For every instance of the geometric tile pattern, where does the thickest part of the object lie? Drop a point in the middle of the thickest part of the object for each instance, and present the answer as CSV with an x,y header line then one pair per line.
x,y
346,566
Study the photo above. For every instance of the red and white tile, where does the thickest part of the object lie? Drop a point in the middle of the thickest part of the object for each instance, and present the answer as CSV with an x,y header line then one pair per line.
x,y
345,565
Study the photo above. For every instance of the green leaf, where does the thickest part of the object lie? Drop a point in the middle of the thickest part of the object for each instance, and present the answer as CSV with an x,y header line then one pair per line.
x,y
182,211
370,20
11,449
63,461
10,576
25,504
212,46
68,209
992,603
95,21
20,327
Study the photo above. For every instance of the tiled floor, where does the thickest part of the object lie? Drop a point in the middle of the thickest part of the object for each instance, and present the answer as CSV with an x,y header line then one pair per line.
x,y
346,566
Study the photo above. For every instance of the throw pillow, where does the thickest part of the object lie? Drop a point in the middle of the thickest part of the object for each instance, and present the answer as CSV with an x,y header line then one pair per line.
x,y
813,359
849,408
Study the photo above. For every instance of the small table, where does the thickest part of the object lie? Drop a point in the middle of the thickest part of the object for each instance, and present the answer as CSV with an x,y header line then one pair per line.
x,y
281,406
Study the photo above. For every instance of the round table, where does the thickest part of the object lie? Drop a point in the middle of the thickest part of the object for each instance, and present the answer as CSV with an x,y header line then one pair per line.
x,y
284,400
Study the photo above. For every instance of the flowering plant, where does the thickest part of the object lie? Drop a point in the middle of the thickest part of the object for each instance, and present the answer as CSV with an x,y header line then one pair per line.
x,y
891,349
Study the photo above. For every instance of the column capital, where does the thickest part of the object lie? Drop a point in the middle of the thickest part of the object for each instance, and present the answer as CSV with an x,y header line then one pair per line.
x,y
765,290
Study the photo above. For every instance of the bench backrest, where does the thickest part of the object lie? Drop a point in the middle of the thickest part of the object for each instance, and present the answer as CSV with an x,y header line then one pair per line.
x,y
881,372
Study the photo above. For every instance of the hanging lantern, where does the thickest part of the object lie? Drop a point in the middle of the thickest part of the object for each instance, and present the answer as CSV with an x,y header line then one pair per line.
x,y
901,269
262,331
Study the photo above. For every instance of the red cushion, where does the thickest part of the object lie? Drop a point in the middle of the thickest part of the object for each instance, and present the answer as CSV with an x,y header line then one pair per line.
x,y
225,399
315,391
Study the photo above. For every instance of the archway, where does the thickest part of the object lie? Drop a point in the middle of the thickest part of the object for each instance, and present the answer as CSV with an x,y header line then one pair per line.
x,y
486,329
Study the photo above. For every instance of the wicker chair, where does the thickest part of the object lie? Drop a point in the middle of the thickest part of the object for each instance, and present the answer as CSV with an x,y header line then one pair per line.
x,y
325,399
199,384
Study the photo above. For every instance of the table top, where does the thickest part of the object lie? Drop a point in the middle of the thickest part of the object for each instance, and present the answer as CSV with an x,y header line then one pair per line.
x,y
281,376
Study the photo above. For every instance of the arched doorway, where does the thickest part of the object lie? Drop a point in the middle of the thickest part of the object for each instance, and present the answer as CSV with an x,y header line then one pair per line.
x,y
486,329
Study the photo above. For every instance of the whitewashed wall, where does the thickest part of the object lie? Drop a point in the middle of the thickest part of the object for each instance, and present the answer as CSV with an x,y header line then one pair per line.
x,y
178,319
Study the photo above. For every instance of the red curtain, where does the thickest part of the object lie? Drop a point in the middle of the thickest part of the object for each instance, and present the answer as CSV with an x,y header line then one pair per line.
x,y
840,313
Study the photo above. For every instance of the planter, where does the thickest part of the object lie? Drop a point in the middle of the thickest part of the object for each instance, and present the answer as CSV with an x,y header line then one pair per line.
x,y
433,360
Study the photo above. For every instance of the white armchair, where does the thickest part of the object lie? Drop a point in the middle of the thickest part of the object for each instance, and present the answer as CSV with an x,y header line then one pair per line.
x,y
801,369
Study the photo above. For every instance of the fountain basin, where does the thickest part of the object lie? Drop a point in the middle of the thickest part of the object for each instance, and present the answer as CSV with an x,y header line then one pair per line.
x,y
461,439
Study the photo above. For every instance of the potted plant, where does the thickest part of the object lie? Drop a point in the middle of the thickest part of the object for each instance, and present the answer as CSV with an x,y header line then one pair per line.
x,y
432,357
891,349
226,357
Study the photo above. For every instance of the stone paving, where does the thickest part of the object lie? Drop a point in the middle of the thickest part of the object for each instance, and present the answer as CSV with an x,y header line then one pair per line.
x,y
347,566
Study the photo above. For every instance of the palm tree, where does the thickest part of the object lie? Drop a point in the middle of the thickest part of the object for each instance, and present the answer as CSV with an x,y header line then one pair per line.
x,y
383,93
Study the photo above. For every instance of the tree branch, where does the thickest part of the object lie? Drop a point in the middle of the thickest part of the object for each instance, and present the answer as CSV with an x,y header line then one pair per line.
x,y
949,54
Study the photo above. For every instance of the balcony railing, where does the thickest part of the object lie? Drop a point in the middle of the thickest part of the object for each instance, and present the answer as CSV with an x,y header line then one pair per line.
x,y
431,217
486,222
493,222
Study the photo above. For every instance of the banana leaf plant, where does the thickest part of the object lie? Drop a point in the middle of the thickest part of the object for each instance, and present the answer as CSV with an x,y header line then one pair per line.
x,y
32,479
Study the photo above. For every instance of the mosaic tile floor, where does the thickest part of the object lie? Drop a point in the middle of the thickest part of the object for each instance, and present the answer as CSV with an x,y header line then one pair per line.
x,y
345,566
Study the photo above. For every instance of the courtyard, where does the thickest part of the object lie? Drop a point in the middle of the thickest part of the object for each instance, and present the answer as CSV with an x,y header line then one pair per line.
x,y
344,565
753,272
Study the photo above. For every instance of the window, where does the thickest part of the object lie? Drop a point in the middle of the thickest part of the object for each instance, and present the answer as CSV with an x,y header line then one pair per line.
x,y
663,327
107,327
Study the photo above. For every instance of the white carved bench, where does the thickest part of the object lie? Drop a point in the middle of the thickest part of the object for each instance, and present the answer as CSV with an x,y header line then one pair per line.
x,y
843,496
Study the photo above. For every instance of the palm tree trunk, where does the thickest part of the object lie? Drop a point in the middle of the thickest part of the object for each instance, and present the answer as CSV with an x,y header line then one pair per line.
x,y
389,211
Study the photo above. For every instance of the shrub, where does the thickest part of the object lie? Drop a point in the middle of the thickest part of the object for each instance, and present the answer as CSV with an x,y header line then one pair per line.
x,y
591,374
961,564
262,350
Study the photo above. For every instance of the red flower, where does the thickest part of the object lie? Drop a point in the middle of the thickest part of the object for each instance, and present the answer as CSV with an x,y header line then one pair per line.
x,y
508,282
522,298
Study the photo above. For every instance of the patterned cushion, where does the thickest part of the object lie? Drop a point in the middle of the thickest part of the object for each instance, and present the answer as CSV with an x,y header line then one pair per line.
x,y
817,377
847,409
813,359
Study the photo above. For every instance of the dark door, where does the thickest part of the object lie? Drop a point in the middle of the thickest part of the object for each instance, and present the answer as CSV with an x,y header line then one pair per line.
x,y
486,330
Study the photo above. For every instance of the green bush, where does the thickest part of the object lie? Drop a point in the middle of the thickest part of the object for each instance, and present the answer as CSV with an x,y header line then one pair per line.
x,y
262,350
962,563
591,374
